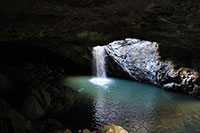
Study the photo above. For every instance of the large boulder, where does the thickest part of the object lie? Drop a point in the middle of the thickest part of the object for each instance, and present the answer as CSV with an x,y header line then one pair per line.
x,y
32,108
11,121
62,99
35,104
141,60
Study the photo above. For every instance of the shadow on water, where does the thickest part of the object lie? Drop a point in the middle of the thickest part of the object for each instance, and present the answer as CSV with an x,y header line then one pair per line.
x,y
80,116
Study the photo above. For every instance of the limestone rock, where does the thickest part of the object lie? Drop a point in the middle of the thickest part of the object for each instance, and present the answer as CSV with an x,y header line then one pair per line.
x,y
86,131
112,129
141,60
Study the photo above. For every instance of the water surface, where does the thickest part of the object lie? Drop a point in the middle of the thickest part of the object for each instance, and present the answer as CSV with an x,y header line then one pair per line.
x,y
135,106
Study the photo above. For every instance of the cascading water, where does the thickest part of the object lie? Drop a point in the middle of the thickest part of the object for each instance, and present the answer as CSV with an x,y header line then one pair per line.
x,y
98,53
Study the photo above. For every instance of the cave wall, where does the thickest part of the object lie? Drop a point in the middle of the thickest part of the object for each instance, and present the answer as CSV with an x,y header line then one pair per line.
x,y
91,22
40,38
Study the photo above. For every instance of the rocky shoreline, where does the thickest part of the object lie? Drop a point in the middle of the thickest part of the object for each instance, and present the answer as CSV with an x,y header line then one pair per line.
x,y
105,129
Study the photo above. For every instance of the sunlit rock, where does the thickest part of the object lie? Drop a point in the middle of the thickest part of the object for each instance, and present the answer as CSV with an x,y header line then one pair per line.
x,y
112,129
141,60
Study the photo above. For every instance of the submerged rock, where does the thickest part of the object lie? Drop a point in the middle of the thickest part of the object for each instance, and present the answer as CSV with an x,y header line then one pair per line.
x,y
141,60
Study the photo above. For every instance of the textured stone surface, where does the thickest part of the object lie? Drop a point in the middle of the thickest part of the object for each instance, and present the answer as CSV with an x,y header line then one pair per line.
x,y
96,20
11,121
32,108
112,129
142,61
63,99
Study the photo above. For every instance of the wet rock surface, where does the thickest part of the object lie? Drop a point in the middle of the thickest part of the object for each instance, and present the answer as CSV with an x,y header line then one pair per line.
x,y
141,60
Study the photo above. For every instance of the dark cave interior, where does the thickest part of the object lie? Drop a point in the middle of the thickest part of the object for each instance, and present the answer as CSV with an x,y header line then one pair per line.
x,y
42,41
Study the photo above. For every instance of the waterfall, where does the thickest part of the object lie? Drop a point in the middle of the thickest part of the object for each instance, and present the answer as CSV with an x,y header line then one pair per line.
x,y
98,53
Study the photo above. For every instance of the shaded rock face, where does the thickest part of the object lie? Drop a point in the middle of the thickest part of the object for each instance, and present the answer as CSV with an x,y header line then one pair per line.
x,y
11,120
171,22
62,100
35,105
141,60
31,98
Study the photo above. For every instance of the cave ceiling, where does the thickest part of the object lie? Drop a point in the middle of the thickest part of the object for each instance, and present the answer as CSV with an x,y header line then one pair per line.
x,y
92,22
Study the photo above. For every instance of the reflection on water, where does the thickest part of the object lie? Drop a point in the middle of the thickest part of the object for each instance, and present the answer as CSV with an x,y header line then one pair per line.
x,y
136,106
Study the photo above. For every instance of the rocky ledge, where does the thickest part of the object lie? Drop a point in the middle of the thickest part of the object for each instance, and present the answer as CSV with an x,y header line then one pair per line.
x,y
141,61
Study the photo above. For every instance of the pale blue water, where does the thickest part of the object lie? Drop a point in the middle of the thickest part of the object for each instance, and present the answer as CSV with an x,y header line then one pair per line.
x,y
135,106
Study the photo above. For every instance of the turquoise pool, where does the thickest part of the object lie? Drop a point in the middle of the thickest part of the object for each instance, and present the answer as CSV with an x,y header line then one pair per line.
x,y
137,107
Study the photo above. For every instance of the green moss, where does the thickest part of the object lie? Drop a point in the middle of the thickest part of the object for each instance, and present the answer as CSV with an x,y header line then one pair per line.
x,y
91,36
82,35
95,36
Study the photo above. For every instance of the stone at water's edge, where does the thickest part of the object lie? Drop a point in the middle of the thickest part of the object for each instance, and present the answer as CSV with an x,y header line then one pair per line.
x,y
142,61
105,129
112,129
